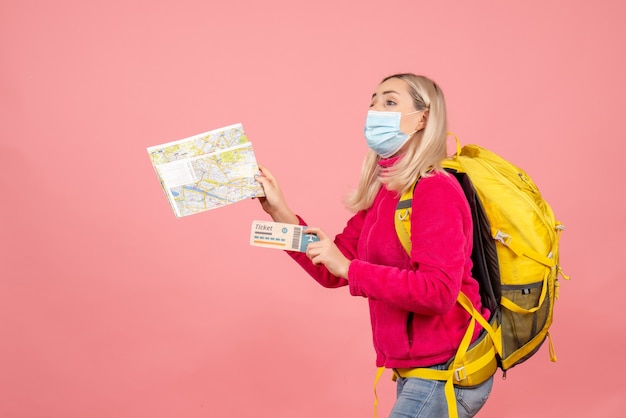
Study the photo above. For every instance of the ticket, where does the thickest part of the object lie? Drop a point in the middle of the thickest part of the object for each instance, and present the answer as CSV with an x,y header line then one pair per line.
x,y
280,236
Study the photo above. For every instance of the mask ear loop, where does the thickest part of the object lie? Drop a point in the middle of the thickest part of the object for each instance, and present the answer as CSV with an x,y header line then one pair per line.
x,y
411,113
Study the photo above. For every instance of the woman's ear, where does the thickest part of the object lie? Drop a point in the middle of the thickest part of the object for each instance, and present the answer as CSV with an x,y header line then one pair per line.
x,y
422,121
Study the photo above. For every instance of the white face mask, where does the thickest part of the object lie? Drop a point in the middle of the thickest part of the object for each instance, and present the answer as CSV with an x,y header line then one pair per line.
x,y
383,134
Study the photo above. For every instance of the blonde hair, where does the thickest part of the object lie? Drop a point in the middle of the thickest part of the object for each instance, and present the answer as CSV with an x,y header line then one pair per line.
x,y
424,153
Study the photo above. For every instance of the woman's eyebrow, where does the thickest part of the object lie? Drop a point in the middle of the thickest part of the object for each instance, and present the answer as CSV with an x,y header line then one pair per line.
x,y
385,92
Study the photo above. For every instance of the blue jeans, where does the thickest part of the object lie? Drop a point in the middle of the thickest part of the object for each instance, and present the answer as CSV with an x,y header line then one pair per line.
x,y
420,398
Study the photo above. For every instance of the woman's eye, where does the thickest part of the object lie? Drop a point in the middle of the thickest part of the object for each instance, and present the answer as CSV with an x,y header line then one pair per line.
x,y
390,103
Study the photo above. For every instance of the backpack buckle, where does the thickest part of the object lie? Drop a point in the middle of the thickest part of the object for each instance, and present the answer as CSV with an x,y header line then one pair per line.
x,y
460,374
402,216
505,239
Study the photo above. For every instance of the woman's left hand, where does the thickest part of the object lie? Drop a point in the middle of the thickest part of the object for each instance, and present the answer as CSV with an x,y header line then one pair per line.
x,y
327,253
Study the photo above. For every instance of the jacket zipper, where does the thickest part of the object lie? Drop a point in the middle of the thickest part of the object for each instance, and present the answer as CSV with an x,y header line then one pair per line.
x,y
409,329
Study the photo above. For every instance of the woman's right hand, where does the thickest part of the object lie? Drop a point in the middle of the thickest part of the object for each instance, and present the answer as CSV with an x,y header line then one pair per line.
x,y
274,203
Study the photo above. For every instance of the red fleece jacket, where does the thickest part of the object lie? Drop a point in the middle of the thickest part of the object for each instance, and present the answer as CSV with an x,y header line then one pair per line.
x,y
415,320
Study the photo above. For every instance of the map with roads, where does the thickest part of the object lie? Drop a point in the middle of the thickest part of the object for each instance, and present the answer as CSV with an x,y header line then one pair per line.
x,y
207,171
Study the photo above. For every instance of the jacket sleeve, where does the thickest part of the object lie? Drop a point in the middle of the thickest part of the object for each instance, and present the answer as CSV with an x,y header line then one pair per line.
x,y
346,242
441,245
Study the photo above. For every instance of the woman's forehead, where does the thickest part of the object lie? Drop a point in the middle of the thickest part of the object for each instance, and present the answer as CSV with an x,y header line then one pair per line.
x,y
393,85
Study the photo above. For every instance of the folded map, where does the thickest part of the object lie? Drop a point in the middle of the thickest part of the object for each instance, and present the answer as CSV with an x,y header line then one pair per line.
x,y
207,171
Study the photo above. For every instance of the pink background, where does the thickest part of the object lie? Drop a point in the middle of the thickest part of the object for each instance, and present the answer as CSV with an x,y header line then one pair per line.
x,y
112,307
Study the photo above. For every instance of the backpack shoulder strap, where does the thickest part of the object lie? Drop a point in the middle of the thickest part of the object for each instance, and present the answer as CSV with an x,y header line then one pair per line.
x,y
402,218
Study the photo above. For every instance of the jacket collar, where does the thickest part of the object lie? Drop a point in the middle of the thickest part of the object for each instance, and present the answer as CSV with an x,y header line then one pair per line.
x,y
389,162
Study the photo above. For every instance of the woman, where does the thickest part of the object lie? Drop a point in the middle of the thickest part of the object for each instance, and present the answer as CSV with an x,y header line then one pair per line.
x,y
416,322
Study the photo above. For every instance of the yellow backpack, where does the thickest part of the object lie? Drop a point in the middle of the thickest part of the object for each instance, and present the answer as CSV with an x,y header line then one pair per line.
x,y
516,262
